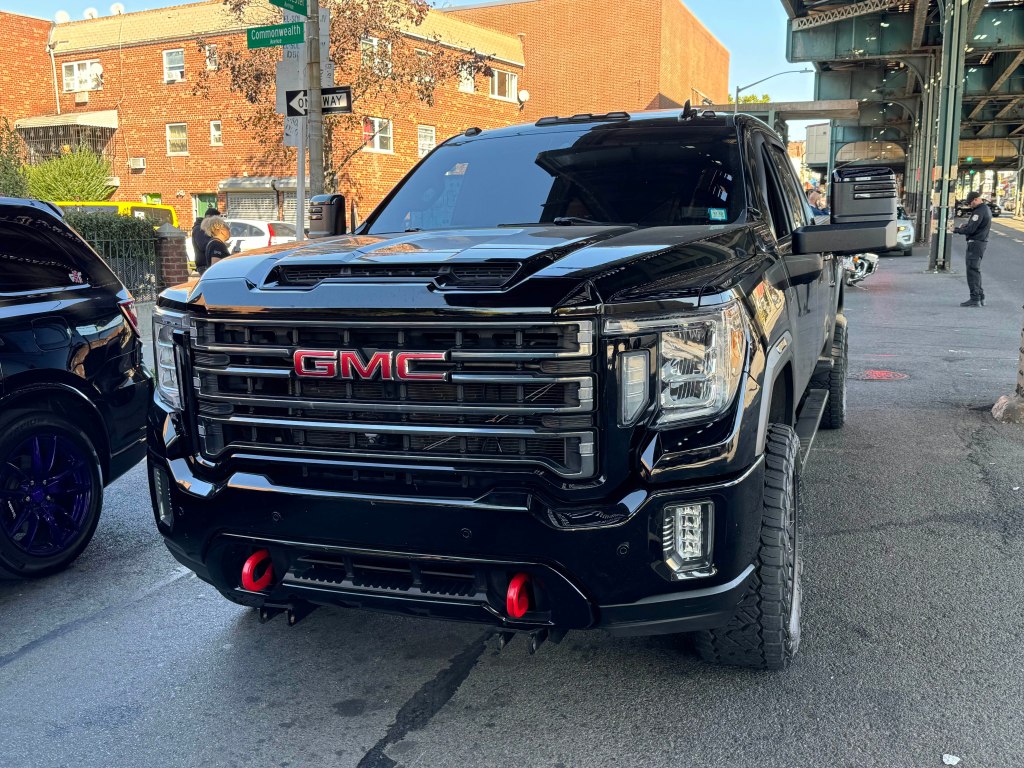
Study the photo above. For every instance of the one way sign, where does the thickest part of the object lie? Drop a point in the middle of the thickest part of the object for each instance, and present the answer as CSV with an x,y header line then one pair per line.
x,y
334,101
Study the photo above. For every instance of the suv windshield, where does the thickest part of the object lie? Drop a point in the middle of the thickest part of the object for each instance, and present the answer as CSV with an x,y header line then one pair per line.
x,y
647,175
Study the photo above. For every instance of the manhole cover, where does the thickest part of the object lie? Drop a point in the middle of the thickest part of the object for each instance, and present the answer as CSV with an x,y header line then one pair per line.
x,y
872,375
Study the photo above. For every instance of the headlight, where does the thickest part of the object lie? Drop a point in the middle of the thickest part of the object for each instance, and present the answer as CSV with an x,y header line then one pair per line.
x,y
700,362
901,229
165,323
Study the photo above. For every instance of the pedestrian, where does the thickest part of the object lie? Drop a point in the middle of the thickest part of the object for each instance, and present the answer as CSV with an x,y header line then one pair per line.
x,y
816,201
217,232
976,229
200,238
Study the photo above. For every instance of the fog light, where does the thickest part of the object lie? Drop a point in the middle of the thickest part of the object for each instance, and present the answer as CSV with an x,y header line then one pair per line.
x,y
686,539
162,494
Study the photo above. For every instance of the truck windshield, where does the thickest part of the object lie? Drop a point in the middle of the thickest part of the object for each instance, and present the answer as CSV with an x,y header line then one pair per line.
x,y
656,175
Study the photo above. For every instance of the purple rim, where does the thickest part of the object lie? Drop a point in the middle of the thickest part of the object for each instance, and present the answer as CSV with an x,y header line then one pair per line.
x,y
46,488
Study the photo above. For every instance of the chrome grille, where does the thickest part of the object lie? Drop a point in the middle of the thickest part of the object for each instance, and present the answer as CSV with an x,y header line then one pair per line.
x,y
516,393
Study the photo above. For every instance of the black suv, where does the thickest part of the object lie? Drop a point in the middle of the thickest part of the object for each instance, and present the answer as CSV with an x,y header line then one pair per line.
x,y
73,388
564,376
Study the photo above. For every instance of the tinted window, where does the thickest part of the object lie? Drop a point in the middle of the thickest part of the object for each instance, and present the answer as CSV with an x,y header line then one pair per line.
x,y
797,201
89,208
281,229
238,229
156,215
44,255
651,175
778,209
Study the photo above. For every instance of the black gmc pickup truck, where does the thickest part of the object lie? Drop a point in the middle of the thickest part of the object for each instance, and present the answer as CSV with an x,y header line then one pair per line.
x,y
563,377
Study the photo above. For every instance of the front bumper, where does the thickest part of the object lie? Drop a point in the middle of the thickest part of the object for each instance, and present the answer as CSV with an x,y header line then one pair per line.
x,y
453,558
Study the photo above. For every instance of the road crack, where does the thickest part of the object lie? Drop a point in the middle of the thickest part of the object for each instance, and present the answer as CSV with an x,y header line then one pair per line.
x,y
418,711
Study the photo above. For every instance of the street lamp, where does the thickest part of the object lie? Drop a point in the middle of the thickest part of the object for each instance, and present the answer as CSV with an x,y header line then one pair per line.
x,y
736,104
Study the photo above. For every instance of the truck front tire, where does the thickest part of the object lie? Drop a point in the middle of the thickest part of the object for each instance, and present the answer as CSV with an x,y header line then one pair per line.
x,y
764,632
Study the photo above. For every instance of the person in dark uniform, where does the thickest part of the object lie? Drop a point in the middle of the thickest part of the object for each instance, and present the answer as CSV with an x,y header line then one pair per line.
x,y
200,240
976,229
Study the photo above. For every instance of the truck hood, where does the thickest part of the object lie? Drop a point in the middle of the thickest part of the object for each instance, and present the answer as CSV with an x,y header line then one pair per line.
x,y
529,267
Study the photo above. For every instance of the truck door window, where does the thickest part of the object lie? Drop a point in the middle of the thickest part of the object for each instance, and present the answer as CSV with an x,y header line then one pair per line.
x,y
797,201
781,219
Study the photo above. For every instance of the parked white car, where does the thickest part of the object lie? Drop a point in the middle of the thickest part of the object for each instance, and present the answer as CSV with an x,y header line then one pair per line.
x,y
247,234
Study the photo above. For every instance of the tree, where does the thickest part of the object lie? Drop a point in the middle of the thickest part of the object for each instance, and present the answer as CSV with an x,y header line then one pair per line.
x,y
75,174
752,98
369,43
12,176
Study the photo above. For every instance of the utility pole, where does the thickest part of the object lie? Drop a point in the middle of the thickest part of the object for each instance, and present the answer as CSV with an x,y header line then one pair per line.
x,y
314,115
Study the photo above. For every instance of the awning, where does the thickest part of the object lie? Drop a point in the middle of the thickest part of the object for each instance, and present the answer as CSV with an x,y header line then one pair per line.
x,y
247,184
104,119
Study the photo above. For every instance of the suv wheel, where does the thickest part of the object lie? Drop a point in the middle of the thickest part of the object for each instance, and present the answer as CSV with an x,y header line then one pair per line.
x,y
51,492
835,380
764,632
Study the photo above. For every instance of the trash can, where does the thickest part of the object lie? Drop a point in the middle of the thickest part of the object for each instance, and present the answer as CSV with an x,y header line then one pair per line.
x,y
326,215
863,194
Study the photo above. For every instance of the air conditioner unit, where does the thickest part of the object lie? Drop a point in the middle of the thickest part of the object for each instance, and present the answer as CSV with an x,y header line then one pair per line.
x,y
82,97
137,163
175,77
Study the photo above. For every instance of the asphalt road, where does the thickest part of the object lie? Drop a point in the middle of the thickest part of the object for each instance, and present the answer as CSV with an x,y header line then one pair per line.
x,y
912,636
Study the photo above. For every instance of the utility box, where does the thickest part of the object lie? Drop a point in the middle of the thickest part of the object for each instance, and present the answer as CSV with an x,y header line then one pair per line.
x,y
865,194
326,215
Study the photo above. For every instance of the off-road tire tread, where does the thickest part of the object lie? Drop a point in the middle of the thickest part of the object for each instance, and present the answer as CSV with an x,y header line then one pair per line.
x,y
757,635
835,380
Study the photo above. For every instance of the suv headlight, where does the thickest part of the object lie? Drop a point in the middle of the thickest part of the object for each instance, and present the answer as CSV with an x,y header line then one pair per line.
x,y
700,361
165,323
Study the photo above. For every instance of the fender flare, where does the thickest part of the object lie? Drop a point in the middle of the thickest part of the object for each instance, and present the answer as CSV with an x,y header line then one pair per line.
x,y
780,354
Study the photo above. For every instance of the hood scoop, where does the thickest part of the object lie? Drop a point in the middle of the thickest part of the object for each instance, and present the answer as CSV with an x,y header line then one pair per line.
x,y
493,274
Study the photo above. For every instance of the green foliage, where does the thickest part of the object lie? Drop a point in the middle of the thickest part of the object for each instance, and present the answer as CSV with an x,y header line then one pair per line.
x,y
100,228
79,174
12,176
752,98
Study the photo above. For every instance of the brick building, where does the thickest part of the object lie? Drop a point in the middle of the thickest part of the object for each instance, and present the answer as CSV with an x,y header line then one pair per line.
x,y
126,85
601,56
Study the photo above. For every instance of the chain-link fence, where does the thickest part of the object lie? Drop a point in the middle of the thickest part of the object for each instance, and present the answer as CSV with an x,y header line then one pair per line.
x,y
134,261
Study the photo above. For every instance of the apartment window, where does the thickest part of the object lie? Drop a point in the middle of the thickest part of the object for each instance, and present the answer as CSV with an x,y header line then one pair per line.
x,y
377,54
426,139
216,137
504,85
211,57
174,65
423,66
467,79
177,139
377,134
83,76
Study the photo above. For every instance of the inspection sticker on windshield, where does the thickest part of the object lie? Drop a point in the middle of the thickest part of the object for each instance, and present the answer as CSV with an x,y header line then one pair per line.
x,y
717,214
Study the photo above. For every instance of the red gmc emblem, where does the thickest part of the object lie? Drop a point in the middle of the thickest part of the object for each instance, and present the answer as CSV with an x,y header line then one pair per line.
x,y
350,364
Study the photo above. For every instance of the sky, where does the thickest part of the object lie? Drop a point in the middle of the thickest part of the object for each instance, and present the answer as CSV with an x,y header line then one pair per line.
x,y
757,46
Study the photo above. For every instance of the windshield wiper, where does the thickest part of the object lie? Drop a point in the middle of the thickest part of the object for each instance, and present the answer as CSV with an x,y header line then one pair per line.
x,y
570,221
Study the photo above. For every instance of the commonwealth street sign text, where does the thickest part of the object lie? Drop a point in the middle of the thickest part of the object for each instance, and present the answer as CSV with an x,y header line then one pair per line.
x,y
276,34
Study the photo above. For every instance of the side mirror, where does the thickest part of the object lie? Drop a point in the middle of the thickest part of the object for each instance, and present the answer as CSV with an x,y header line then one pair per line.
x,y
863,215
855,237
326,216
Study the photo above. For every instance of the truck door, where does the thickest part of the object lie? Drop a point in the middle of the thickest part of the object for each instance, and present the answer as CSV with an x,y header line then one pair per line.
x,y
808,283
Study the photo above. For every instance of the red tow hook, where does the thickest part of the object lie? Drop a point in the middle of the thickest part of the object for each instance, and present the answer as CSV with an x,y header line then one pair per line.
x,y
254,561
517,599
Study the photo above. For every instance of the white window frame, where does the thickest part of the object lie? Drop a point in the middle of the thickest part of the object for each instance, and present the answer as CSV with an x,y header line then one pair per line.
x,y
374,144
423,66
168,70
467,79
421,147
81,78
218,135
167,130
512,83
211,57
376,53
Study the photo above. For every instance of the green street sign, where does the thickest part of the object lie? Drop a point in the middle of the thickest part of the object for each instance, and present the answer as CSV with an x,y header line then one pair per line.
x,y
275,34
295,6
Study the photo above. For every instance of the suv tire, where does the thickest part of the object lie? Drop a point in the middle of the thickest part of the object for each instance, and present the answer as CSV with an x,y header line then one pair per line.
x,y
835,380
764,632
51,493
